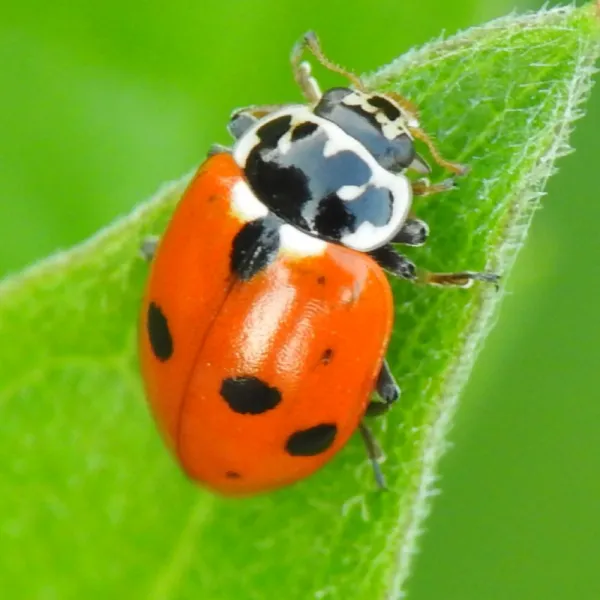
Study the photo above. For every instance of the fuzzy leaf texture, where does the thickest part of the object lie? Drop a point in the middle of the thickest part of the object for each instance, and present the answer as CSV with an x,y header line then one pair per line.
x,y
92,504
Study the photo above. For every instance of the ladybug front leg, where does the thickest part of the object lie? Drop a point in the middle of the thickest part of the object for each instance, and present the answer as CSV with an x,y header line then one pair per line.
x,y
399,265
218,149
423,187
242,119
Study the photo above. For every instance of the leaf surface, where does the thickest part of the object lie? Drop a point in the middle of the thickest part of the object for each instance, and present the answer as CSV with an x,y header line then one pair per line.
x,y
92,504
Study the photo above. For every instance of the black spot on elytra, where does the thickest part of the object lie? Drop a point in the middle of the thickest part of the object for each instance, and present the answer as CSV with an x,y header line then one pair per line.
x,y
327,356
254,247
303,130
321,280
383,104
232,475
249,395
312,441
158,332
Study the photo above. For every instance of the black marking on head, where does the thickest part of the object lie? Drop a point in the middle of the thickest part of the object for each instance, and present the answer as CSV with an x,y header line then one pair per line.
x,y
303,130
249,395
158,333
385,106
311,441
272,131
327,356
321,279
233,475
254,248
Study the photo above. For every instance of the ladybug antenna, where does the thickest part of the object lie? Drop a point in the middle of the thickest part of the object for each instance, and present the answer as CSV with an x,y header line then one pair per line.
x,y
310,41
453,167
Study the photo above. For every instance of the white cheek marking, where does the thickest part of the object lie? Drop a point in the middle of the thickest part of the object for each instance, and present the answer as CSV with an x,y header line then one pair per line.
x,y
368,237
245,206
298,243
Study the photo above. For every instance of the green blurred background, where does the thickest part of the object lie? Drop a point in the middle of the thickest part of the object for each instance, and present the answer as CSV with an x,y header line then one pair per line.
x,y
101,102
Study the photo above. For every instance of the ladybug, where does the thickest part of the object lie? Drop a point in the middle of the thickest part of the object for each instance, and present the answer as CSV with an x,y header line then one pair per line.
x,y
267,312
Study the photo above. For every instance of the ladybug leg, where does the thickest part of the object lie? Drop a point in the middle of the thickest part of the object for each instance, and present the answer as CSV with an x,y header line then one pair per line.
x,y
420,165
302,72
218,149
423,187
243,119
400,266
394,262
387,389
414,232
462,279
374,453
148,247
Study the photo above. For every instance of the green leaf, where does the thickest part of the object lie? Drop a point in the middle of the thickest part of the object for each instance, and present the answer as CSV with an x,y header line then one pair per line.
x,y
91,503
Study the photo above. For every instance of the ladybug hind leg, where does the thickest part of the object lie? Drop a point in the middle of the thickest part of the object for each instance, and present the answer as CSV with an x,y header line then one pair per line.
x,y
387,389
389,392
148,247
374,453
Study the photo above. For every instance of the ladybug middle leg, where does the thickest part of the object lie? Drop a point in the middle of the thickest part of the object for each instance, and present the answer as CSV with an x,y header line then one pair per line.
x,y
399,265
